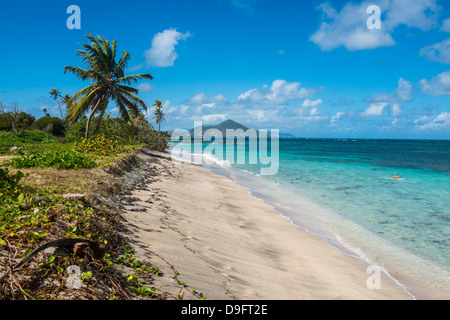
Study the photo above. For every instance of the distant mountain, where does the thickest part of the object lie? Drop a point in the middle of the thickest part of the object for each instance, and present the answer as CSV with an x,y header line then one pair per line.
x,y
284,135
222,127
231,124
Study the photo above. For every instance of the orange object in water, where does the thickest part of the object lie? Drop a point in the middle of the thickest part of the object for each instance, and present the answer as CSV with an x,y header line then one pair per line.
x,y
396,176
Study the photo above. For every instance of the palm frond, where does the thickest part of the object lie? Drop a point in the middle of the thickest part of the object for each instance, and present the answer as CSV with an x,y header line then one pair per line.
x,y
119,71
76,110
130,96
134,78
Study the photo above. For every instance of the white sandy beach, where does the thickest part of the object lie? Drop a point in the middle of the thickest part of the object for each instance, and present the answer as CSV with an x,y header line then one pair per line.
x,y
228,245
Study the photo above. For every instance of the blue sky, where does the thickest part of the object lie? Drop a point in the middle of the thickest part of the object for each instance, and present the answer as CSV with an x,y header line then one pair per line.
x,y
310,68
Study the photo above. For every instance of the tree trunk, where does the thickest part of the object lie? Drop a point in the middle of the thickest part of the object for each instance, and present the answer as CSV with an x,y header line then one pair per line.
x,y
97,127
86,136
59,105
13,125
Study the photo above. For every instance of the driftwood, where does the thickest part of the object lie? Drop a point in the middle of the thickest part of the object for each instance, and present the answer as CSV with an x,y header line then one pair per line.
x,y
76,245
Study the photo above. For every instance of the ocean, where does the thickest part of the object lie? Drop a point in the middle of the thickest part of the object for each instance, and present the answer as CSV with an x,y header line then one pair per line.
x,y
343,190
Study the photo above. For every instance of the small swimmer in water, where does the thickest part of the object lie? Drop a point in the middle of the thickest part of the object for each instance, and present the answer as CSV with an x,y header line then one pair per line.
x,y
396,176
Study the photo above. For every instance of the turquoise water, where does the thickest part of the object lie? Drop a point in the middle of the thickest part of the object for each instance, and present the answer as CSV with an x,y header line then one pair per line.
x,y
344,190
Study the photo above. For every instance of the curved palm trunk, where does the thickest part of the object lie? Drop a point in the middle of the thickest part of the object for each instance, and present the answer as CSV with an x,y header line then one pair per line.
x,y
86,136
99,122
59,105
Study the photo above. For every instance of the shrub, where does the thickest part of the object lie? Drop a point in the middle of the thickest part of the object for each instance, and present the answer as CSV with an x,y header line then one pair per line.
x,y
76,131
53,125
32,136
65,159
7,140
156,141
23,122
100,146
9,183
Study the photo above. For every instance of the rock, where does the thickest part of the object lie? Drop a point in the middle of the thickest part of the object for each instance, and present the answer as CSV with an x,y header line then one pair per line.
x,y
38,200
74,196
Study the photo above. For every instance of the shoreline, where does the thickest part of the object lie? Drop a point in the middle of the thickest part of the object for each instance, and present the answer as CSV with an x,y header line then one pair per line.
x,y
227,244
425,288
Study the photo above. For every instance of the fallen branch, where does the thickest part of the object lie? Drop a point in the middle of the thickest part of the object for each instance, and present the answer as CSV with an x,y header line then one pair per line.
x,y
77,245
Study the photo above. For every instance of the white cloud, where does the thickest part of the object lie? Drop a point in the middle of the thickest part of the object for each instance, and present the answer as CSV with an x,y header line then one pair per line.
x,y
308,103
422,119
280,92
437,86
162,53
396,109
375,109
203,99
336,117
439,52
446,25
441,122
214,118
265,106
403,93
420,14
348,27
198,98
144,87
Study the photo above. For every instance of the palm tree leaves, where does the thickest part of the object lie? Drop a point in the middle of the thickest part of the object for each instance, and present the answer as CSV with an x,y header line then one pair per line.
x,y
56,94
158,113
109,82
134,78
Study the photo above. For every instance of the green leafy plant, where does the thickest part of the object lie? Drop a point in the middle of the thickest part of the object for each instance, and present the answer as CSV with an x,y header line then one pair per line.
x,y
64,159
100,146
32,136
144,291
9,183
53,125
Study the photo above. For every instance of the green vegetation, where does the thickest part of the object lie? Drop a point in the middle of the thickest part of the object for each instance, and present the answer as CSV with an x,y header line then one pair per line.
x,y
100,146
108,83
56,94
65,159
52,125
42,159
158,113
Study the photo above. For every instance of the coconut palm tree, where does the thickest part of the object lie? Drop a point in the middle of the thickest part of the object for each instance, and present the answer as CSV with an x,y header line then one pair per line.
x,y
108,83
66,99
55,94
159,114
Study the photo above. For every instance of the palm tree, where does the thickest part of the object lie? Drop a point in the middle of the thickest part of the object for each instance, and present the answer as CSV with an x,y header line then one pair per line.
x,y
66,99
108,82
159,114
55,94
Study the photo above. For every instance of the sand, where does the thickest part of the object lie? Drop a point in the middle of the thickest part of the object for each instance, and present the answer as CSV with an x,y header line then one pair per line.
x,y
226,244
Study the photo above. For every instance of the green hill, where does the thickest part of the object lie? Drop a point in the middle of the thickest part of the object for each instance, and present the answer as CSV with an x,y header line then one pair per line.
x,y
230,124
222,127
